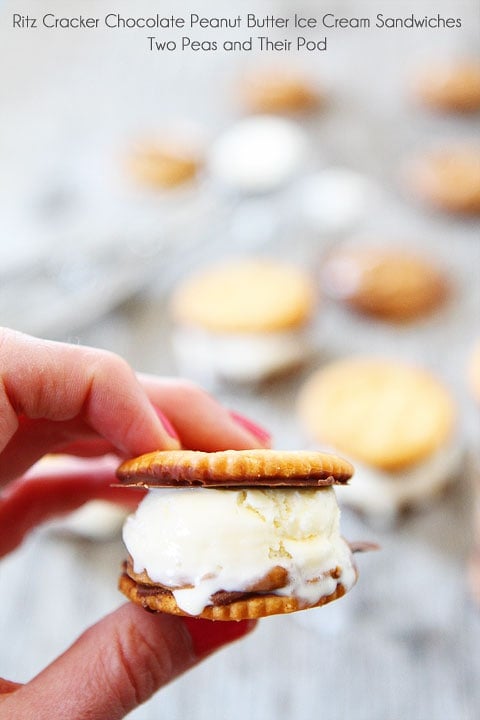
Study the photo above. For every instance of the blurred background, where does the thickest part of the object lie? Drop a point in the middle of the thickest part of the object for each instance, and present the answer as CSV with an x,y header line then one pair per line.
x,y
121,172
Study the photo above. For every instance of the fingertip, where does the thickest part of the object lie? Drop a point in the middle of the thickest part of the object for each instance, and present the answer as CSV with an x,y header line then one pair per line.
x,y
167,427
155,433
260,434
200,420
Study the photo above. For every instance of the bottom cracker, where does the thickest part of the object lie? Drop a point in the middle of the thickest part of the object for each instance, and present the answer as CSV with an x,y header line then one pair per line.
x,y
250,607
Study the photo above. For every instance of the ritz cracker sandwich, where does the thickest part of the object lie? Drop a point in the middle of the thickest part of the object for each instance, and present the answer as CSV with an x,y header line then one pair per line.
x,y
236,535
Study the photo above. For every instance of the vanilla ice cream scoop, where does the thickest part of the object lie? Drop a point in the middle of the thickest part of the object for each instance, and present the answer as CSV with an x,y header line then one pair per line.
x,y
258,154
199,541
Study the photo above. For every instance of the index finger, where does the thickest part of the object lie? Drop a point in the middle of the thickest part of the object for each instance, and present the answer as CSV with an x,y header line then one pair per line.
x,y
61,382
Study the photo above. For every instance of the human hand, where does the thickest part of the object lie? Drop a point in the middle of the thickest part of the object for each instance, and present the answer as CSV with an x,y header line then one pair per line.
x,y
80,401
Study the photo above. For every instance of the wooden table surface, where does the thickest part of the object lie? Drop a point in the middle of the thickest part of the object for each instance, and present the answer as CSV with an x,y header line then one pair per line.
x,y
405,644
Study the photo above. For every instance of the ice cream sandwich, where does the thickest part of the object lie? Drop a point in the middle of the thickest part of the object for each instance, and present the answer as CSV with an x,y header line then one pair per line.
x,y
448,178
242,321
236,534
450,87
279,90
387,283
164,163
395,421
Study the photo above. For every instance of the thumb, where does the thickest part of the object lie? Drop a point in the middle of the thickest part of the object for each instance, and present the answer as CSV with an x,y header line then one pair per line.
x,y
118,664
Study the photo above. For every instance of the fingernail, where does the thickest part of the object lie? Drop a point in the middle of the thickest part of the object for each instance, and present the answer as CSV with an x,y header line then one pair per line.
x,y
167,425
208,635
258,432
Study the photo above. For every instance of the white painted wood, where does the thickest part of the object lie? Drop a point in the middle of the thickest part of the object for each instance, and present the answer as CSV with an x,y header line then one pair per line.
x,y
406,642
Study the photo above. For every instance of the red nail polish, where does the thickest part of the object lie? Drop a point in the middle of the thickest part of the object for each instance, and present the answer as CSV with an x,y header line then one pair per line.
x,y
260,433
208,635
168,427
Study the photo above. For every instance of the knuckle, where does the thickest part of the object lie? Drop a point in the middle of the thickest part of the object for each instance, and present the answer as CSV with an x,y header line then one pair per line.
x,y
107,370
109,363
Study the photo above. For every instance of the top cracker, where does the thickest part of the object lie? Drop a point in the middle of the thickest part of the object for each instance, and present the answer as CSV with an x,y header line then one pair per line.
x,y
235,468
